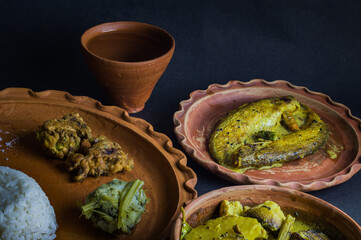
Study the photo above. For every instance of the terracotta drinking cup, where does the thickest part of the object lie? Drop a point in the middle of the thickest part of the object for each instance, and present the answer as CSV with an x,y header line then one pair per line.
x,y
127,59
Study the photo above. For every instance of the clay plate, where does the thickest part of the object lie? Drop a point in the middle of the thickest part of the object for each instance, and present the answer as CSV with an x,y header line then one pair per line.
x,y
198,115
168,181
310,210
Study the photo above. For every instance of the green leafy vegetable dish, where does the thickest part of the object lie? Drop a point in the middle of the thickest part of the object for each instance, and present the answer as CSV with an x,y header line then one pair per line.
x,y
264,221
116,207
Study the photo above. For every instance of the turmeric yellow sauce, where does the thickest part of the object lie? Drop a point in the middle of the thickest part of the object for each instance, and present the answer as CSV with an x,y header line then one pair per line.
x,y
267,133
280,130
264,221
299,226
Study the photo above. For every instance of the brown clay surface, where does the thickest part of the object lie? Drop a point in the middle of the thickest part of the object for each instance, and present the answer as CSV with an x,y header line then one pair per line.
x,y
168,181
127,59
198,115
310,209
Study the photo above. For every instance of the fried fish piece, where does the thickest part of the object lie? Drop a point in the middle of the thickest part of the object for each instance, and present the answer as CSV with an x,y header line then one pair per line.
x,y
60,137
269,214
101,158
267,131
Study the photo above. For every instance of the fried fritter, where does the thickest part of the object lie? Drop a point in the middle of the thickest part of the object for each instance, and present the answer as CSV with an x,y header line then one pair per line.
x,y
60,137
101,158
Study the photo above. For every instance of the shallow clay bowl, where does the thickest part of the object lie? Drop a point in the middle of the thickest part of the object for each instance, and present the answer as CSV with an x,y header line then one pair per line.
x,y
198,115
168,181
311,210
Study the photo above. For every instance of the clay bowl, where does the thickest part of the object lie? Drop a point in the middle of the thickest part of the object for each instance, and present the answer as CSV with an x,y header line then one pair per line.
x,y
310,210
127,59
168,181
198,115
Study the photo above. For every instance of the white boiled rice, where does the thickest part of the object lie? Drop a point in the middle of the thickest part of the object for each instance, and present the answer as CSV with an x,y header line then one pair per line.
x,y
25,210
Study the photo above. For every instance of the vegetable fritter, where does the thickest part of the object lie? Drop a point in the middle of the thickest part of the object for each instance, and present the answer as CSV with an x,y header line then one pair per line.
x,y
101,158
60,137
266,132
116,207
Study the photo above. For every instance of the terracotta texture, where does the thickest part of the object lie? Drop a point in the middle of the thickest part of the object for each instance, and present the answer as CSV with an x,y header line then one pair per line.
x,y
127,59
198,115
310,209
168,181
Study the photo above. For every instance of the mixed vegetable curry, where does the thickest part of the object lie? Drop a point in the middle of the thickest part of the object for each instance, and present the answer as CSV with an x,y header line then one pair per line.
x,y
264,221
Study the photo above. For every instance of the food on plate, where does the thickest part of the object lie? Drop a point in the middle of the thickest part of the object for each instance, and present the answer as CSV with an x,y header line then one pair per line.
x,y
309,235
185,228
267,133
286,228
269,214
101,158
25,210
264,221
116,207
60,137
229,227
230,208
69,137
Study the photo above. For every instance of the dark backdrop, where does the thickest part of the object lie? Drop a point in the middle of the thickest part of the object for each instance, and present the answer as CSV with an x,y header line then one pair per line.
x,y
308,43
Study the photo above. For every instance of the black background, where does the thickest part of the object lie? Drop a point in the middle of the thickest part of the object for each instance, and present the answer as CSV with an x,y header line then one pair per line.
x,y
316,44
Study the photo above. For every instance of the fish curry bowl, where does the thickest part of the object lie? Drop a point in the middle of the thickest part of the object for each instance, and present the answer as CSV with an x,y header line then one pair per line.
x,y
309,215
222,128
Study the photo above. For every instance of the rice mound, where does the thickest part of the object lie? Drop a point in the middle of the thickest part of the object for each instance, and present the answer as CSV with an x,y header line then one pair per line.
x,y
25,210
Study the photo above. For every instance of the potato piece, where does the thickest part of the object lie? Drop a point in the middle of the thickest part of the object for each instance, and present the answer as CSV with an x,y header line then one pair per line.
x,y
230,208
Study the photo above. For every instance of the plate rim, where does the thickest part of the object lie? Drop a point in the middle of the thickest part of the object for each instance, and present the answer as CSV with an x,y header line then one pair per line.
x,y
241,178
185,176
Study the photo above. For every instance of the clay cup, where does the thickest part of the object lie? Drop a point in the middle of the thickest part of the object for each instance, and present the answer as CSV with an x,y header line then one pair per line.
x,y
127,59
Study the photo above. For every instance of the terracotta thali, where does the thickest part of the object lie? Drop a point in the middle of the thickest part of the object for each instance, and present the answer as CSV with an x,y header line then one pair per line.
x,y
198,115
168,181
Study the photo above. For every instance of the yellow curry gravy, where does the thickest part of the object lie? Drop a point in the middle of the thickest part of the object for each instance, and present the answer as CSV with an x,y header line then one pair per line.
x,y
266,133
